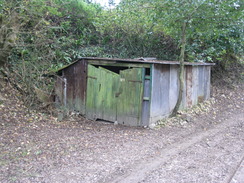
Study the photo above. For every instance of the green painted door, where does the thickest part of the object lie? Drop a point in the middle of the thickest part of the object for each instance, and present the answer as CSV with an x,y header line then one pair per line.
x,y
129,104
101,90
115,97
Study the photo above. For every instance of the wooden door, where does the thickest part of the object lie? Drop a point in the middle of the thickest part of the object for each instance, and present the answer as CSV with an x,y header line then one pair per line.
x,y
102,85
130,99
115,97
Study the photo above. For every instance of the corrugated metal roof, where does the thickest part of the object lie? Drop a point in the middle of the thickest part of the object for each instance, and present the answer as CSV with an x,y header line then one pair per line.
x,y
139,60
145,60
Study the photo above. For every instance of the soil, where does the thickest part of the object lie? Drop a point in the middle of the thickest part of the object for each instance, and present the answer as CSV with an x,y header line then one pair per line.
x,y
203,144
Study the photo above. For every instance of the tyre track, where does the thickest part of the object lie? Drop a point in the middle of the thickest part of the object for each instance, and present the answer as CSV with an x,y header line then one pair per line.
x,y
138,172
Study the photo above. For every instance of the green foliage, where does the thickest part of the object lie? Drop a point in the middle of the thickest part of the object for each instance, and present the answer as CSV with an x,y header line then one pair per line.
x,y
51,34
128,31
38,36
214,28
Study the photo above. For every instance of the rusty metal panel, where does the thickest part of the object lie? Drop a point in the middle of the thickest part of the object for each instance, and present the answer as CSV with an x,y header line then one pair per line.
x,y
183,102
189,85
195,85
201,84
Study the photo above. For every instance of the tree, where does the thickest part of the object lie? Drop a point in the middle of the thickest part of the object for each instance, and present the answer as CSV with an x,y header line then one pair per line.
x,y
39,36
127,31
111,2
187,17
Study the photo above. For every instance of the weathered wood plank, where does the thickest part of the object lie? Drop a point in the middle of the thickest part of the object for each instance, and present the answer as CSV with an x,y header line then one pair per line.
x,y
160,92
131,61
101,94
90,95
174,86
80,84
207,82
117,64
146,102
201,84
195,84
130,99
189,84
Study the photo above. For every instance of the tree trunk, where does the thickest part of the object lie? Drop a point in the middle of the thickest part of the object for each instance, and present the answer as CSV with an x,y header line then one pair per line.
x,y
181,69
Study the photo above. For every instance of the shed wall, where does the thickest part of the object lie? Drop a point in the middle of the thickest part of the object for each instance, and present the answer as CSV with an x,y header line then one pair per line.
x,y
165,89
158,92
71,87
174,89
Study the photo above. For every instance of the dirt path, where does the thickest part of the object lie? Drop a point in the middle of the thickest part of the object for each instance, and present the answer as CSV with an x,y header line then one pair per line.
x,y
207,150
238,175
205,146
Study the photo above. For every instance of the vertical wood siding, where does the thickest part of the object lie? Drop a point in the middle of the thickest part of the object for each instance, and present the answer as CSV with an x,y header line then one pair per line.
x,y
129,105
165,88
101,94
195,84
126,95
189,87
146,101
115,97
160,92
75,87
174,86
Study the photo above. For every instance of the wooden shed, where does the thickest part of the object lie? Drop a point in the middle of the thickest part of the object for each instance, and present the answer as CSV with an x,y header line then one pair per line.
x,y
133,92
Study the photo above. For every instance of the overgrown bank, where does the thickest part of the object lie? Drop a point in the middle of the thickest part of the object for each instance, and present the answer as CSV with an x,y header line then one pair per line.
x,y
40,36
35,147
